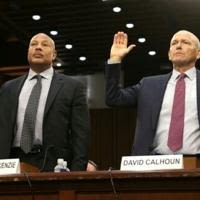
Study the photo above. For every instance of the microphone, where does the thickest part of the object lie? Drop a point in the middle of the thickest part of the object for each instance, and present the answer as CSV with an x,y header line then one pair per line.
x,y
45,157
112,183
29,184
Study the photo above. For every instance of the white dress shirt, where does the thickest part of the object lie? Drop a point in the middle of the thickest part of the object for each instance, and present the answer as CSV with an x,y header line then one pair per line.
x,y
23,101
191,137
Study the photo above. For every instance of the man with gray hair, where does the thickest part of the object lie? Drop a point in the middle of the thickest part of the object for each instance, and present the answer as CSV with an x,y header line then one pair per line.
x,y
168,106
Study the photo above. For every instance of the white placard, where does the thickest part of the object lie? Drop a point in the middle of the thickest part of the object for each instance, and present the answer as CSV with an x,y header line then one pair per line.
x,y
156,162
9,166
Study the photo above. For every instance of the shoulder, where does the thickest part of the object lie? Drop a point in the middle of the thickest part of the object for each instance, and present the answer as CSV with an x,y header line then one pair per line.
x,y
67,78
157,77
14,82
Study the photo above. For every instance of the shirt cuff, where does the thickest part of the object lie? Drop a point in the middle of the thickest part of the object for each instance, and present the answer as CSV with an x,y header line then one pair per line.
x,y
112,62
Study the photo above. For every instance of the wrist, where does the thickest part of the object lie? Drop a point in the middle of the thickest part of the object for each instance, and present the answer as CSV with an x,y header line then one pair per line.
x,y
115,59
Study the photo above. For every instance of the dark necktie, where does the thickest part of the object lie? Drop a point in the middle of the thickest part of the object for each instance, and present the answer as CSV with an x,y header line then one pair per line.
x,y
30,116
175,138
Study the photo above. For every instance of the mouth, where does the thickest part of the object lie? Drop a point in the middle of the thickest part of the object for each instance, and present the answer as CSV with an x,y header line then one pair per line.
x,y
38,55
178,53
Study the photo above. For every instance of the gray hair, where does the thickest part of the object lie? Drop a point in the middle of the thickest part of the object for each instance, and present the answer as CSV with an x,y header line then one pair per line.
x,y
195,38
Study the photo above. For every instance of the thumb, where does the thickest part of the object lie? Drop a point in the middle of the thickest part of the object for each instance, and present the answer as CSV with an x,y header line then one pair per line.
x,y
130,47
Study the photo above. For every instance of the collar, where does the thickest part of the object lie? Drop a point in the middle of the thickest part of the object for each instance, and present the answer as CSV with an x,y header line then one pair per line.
x,y
191,74
47,74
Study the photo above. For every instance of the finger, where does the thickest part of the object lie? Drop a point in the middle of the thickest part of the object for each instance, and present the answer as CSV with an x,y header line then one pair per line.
x,y
115,39
130,47
121,37
125,39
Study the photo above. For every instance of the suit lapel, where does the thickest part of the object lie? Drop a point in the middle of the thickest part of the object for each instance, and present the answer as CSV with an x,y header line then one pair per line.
x,y
57,82
15,97
159,95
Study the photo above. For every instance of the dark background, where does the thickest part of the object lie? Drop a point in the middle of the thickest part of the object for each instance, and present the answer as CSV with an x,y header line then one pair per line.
x,y
90,25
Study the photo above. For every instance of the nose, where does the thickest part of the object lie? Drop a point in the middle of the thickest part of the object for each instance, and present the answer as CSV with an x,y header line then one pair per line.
x,y
179,45
39,46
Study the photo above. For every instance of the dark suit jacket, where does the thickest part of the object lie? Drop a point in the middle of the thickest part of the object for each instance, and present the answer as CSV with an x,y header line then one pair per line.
x,y
147,96
65,123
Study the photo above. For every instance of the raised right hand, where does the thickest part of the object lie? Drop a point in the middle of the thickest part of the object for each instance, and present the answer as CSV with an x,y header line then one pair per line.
x,y
119,47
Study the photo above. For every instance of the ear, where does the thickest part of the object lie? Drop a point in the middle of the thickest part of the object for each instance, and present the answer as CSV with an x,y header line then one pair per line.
x,y
169,55
54,54
198,54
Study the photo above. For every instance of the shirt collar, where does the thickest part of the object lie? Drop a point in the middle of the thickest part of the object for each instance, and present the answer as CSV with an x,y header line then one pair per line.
x,y
191,74
47,74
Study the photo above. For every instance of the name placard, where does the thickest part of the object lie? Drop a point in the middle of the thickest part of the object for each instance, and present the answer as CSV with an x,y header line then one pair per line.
x,y
9,166
156,162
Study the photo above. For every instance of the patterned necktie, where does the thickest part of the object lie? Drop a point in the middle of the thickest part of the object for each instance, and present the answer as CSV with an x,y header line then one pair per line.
x,y
175,138
30,116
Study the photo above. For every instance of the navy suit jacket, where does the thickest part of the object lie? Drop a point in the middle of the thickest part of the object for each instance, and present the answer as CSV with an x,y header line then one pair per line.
x,y
65,124
147,96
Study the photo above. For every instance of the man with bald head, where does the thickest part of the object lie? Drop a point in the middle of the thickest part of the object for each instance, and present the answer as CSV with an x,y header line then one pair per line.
x,y
168,106
55,114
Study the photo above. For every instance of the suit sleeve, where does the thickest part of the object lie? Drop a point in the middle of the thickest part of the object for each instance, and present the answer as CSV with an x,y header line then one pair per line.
x,y
80,129
6,125
116,95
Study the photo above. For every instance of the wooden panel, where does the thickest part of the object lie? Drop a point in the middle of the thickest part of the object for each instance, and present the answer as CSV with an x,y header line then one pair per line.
x,y
124,132
112,135
67,194
165,185
143,196
102,137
